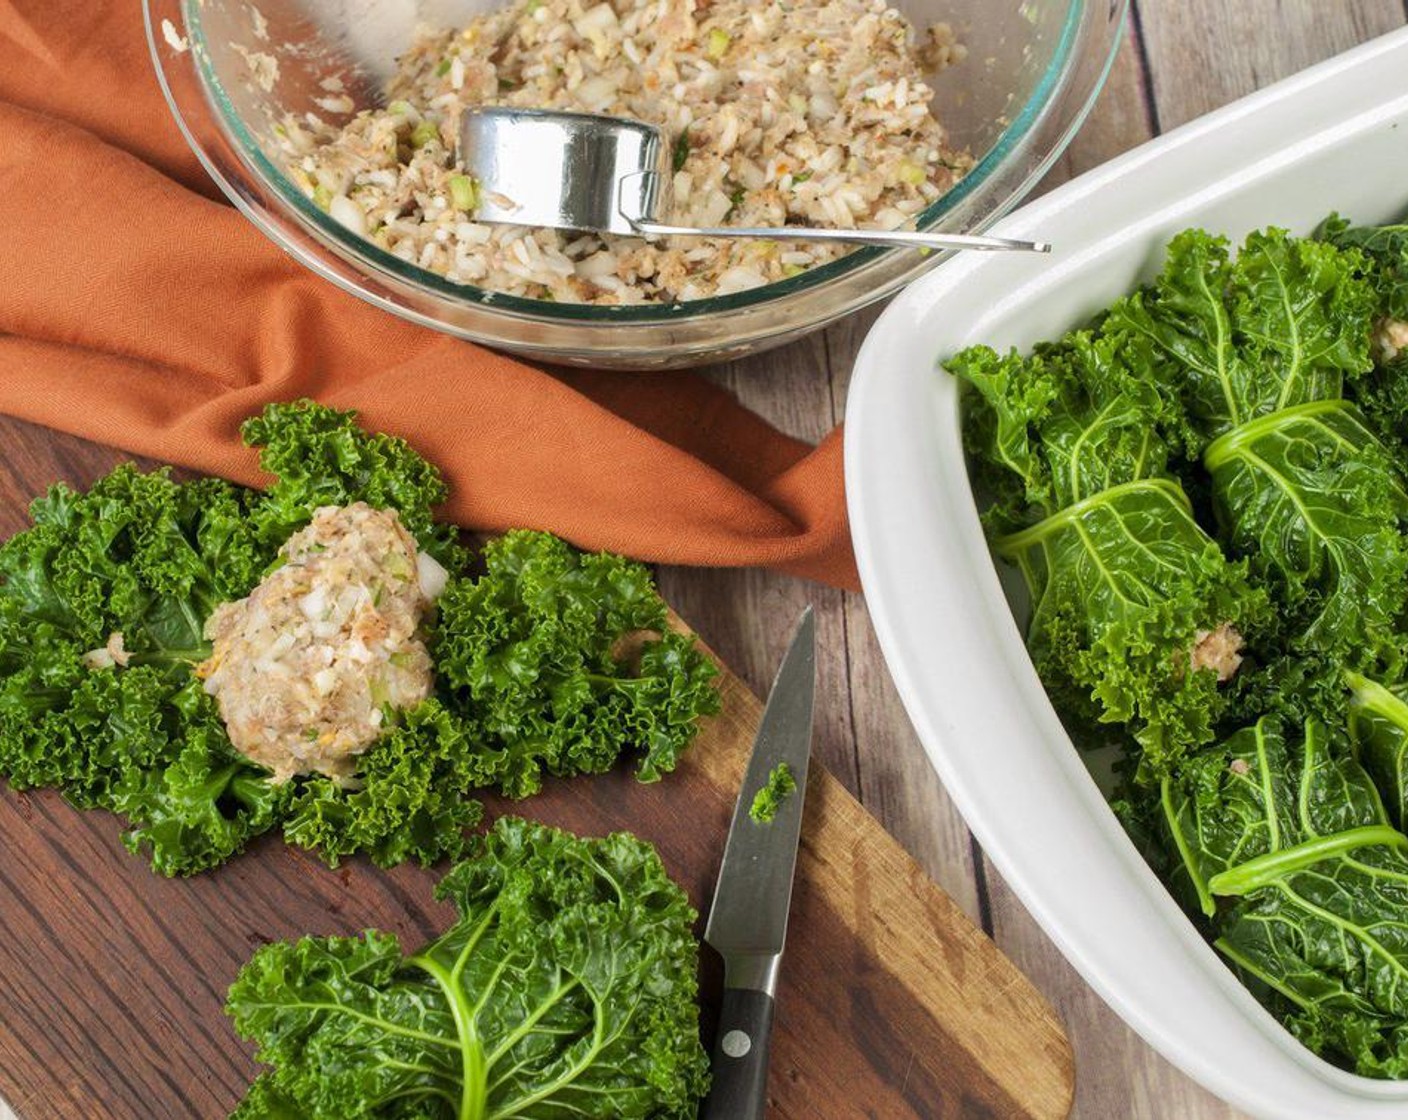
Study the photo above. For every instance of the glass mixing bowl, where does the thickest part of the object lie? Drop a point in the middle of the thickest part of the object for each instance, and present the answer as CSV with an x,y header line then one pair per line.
x,y
1032,72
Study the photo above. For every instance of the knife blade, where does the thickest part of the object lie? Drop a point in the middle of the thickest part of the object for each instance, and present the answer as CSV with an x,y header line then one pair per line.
x,y
748,919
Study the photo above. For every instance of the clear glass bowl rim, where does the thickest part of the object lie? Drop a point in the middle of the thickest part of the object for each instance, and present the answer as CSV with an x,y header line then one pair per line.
x,y
351,245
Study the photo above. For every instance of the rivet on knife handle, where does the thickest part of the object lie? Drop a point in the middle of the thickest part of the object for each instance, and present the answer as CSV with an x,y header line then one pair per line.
x,y
740,1067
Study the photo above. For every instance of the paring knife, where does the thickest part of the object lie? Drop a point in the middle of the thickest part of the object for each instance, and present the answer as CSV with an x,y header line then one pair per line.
x,y
748,921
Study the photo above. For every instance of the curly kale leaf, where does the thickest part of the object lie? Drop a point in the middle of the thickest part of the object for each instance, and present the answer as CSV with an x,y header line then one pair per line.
x,y
1068,422
321,457
1326,934
147,743
137,554
413,798
1122,594
1260,795
1386,251
263,1101
1316,503
566,988
1382,398
1257,351
1123,581
148,558
1289,686
1284,846
1378,727
544,677
566,659
1371,1045
1383,394
1284,324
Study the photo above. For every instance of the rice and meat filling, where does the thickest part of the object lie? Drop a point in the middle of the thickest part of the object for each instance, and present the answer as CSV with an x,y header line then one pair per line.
x,y
305,666
779,112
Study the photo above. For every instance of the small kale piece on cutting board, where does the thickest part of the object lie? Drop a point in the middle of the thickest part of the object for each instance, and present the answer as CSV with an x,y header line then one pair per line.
x,y
553,661
768,800
566,988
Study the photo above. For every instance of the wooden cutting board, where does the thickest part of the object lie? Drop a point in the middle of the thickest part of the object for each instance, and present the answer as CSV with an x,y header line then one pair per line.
x,y
112,980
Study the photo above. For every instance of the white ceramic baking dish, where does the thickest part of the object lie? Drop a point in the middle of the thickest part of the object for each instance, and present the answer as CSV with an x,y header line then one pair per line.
x,y
1333,137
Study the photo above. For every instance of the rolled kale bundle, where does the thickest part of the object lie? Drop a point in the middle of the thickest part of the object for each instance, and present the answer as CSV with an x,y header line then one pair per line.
x,y
1256,353
1137,615
1284,846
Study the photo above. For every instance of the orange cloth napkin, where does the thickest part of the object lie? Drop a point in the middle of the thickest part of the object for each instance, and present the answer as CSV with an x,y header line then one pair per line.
x,y
139,310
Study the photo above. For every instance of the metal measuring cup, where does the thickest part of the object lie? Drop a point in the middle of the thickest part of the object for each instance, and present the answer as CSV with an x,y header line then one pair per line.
x,y
583,171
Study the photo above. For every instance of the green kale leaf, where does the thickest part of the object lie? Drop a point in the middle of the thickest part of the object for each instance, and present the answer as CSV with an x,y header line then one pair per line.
x,y
146,558
1370,1044
1382,398
778,788
566,988
1066,424
1257,352
321,457
565,659
1284,324
1318,505
1290,855
413,799
103,604
1383,394
1124,583
1378,727
1386,249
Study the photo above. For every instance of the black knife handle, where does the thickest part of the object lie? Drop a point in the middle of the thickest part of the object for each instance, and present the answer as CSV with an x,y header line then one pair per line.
x,y
741,1057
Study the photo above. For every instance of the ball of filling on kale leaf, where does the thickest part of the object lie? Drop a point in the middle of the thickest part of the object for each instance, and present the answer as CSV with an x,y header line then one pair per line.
x,y
305,668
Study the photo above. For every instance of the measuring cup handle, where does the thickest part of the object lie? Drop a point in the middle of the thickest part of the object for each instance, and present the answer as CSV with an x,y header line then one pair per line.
x,y
902,239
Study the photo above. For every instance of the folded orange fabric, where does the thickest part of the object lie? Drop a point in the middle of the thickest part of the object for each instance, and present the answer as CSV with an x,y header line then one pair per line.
x,y
139,310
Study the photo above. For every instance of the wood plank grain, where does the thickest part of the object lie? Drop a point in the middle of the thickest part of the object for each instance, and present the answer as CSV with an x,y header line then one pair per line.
x,y
892,1004
1204,53
1121,119
1117,1072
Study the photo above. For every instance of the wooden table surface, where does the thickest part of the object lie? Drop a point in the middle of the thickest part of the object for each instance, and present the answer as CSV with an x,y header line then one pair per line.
x,y
1181,59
